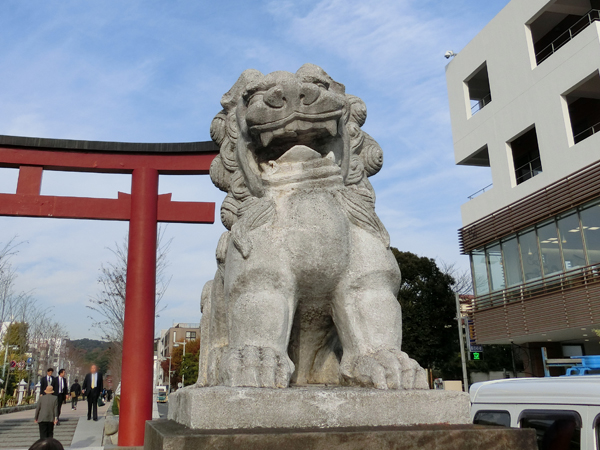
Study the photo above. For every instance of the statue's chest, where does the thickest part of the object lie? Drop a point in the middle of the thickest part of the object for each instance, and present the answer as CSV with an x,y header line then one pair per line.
x,y
314,229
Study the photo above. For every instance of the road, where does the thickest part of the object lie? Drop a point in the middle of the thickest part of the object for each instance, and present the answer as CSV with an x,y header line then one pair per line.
x,y
162,409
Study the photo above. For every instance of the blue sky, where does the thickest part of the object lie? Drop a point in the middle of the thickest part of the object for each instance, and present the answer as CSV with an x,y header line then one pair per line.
x,y
154,71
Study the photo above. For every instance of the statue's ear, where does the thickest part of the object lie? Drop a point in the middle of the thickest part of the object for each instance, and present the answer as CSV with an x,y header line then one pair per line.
x,y
231,98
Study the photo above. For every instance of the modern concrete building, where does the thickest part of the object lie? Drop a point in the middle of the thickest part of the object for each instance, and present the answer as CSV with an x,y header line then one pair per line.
x,y
525,102
177,334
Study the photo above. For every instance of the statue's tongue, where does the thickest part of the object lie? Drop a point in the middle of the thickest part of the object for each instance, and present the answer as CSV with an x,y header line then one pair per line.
x,y
298,153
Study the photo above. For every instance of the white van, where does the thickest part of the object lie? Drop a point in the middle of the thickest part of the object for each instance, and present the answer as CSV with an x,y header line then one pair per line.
x,y
564,411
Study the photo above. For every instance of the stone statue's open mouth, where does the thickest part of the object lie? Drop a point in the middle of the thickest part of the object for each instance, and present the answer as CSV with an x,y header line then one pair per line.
x,y
320,133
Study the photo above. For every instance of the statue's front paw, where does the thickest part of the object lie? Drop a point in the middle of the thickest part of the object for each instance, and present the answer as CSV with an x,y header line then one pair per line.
x,y
384,369
253,366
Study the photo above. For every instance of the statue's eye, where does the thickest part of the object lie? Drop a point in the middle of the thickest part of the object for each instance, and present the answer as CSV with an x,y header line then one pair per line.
x,y
248,94
322,84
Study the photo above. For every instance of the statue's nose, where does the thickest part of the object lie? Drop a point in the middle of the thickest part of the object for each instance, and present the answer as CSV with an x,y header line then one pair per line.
x,y
305,94
274,97
309,93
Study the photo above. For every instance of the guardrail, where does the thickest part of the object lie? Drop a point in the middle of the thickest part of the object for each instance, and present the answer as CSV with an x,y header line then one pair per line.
x,y
480,191
587,133
553,284
481,103
562,39
533,167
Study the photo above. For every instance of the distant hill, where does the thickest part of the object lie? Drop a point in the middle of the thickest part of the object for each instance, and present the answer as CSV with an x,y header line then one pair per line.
x,y
93,352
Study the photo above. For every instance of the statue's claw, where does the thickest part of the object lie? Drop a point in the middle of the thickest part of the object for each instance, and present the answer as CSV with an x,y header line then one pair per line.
x,y
384,369
252,366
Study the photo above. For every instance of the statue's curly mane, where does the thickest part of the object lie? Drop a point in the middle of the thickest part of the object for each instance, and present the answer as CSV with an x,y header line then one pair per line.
x,y
364,155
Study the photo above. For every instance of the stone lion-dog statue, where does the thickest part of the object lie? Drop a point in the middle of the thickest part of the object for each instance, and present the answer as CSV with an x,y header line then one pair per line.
x,y
305,291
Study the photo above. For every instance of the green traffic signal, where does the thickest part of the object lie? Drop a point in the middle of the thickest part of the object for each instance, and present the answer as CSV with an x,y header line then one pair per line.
x,y
477,356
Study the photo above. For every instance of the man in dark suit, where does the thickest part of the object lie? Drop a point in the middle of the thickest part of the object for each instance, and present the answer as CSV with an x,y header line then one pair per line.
x,y
92,387
61,389
46,381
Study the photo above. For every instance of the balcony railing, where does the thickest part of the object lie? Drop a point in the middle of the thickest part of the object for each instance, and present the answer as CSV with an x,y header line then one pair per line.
x,y
529,170
481,103
587,133
578,27
559,283
480,191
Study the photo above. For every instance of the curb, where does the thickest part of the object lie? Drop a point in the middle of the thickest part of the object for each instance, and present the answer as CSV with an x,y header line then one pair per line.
x,y
13,409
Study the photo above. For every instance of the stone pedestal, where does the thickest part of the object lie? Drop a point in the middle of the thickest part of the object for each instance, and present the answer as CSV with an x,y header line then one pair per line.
x,y
319,418
169,435
227,408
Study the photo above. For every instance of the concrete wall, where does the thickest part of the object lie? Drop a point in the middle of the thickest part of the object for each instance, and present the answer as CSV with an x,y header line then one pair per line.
x,y
523,94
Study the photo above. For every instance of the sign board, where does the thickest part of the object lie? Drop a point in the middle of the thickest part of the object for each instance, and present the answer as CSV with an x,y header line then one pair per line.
x,y
477,356
476,348
29,360
13,364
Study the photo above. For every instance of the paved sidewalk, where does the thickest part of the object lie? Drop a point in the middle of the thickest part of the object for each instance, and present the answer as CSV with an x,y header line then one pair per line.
x,y
76,431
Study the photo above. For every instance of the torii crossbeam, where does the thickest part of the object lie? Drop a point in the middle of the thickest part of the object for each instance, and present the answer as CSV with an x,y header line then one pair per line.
x,y
143,208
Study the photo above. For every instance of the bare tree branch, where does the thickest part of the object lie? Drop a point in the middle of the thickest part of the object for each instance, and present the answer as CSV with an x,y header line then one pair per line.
x,y
462,278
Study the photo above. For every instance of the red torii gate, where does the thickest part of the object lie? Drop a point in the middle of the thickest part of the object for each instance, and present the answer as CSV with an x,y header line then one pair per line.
x,y
144,208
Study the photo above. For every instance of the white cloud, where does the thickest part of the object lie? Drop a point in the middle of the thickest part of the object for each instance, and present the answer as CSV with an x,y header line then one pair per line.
x,y
148,71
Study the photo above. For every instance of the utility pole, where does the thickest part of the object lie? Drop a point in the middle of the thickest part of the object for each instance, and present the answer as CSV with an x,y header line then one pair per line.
x,y
461,341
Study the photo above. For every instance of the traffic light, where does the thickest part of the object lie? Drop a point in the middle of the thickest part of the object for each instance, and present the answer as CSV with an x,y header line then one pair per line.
x,y
477,356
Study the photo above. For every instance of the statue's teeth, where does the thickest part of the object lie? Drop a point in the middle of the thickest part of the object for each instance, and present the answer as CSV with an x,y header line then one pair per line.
x,y
266,138
292,126
331,126
304,125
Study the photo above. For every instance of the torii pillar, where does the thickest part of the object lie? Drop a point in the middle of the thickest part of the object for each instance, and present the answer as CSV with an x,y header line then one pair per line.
x,y
144,208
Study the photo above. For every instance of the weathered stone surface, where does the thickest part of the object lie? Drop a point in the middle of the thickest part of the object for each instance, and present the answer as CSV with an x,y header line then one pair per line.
x,y
306,285
111,425
168,435
314,407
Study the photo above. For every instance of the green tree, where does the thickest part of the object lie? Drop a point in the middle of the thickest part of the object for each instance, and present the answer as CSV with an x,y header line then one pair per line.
x,y
186,366
17,337
429,326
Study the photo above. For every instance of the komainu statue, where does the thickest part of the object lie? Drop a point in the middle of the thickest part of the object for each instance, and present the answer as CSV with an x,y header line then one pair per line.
x,y
305,291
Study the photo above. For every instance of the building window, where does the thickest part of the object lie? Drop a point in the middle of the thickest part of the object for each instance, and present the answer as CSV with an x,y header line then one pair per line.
x,y
526,156
559,24
478,86
571,241
512,262
584,109
190,335
554,429
590,220
530,255
479,270
496,267
550,249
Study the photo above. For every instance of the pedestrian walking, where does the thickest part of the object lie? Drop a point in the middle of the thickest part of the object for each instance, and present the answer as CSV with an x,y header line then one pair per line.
x,y
75,393
46,413
47,444
46,381
92,387
61,389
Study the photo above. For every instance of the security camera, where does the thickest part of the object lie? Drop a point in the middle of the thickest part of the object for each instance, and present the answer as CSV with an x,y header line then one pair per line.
x,y
450,54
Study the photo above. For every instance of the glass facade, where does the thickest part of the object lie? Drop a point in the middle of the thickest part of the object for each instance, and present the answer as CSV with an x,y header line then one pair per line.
x,y
567,242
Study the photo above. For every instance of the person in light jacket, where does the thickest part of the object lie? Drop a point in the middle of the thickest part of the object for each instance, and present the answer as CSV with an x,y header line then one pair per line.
x,y
46,413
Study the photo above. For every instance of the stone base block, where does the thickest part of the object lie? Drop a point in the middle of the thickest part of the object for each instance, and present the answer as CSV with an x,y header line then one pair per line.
x,y
223,408
169,435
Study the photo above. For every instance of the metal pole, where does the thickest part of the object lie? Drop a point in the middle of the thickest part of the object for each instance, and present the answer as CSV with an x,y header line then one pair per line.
x,y
182,374
140,298
462,344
